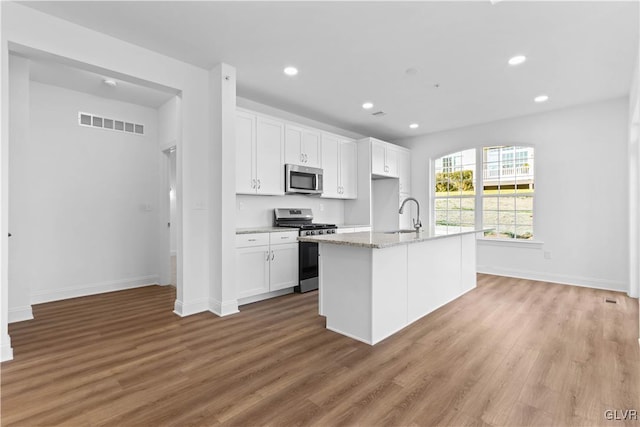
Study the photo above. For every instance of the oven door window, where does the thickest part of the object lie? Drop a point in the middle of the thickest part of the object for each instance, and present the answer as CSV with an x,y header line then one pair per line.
x,y
303,181
308,260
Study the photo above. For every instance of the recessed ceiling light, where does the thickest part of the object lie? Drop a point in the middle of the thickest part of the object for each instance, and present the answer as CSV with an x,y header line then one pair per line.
x,y
541,98
517,60
411,71
414,126
367,105
109,82
291,71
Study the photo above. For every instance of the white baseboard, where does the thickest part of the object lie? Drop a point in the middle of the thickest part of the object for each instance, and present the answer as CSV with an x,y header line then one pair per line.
x,y
20,314
563,279
92,289
184,309
223,308
6,352
261,297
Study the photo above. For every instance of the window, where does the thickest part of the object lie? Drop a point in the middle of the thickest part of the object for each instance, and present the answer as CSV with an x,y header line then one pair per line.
x,y
455,192
505,199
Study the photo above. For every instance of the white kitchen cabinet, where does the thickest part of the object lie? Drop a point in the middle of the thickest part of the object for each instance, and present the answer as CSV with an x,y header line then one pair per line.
x,y
283,268
259,155
252,270
340,168
266,262
384,161
404,170
302,146
245,153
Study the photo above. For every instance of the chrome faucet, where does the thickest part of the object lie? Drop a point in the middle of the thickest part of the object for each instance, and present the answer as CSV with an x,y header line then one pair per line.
x,y
416,223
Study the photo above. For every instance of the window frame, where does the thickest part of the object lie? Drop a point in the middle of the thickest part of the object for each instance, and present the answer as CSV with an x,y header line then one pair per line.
x,y
479,195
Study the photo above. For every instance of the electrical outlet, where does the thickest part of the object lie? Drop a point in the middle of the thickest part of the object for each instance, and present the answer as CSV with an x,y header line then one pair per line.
x,y
241,206
547,254
321,207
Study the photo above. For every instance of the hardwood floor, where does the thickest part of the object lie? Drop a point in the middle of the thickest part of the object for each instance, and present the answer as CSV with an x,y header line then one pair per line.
x,y
511,352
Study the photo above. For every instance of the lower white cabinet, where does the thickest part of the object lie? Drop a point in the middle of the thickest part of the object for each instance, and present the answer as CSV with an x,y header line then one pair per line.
x,y
266,262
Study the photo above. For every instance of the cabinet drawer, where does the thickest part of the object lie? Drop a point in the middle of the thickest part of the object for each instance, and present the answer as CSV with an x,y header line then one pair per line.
x,y
253,239
284,237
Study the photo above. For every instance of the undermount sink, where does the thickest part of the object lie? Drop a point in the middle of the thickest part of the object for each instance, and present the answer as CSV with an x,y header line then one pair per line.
x,y
401,231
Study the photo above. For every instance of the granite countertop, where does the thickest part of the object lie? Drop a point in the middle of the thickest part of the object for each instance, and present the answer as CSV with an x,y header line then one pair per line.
x,y
379,240
265,229
352,225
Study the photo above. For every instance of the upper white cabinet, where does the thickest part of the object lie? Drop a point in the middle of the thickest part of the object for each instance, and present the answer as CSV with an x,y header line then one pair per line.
x,y
302,146
404,170
340,167
259,154
384,159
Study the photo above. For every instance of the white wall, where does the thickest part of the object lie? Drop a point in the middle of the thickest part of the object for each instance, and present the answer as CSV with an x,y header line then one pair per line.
x,y
84,201
634,182
30,30
19,293
581,201
257,211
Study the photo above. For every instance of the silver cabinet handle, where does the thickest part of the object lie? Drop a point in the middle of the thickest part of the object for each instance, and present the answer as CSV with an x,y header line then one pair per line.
x,y
267,255
302,157
273,255
306,158
258,184
253,183
252,240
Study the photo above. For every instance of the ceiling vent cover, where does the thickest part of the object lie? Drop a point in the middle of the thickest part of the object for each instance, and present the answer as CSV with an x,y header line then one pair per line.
x,y
93,121
379,114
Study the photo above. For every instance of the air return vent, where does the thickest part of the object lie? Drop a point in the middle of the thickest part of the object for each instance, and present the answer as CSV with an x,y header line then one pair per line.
x,y
379,114
91,120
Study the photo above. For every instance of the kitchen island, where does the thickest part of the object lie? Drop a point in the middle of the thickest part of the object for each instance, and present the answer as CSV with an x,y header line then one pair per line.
x,y
371,284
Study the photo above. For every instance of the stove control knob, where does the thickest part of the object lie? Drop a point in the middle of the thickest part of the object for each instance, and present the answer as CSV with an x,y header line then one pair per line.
x,y
308,233
312,233
332,231
320,232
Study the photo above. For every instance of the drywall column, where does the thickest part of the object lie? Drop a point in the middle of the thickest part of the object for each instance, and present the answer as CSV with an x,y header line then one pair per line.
x,y
634,183
6,352
223,296
19,289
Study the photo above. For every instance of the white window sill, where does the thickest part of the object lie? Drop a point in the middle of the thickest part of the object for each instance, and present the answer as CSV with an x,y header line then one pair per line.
x,y
529,244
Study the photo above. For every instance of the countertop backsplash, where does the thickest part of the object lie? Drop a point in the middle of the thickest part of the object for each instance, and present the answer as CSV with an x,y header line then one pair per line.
x,y
257,211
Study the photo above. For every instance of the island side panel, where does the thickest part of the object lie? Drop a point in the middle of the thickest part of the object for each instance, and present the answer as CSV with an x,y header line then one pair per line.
x,y
434,271
389,302
468,277
346,290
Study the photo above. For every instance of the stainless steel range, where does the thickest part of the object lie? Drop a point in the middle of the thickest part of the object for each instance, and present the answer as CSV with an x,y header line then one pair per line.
x,y
302,219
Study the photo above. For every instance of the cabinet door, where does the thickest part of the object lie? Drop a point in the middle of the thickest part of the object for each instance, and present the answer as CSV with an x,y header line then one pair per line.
x,y
311,148
270,156
245,153
284,266
377,158
404,171
330,170
293,145
348,170
252,270
391,161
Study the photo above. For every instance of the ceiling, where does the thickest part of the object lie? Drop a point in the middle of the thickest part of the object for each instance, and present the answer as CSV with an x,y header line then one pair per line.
x,y
351,52
52,72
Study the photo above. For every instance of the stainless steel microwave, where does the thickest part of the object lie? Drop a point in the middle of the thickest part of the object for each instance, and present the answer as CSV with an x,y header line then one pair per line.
x,y
302,180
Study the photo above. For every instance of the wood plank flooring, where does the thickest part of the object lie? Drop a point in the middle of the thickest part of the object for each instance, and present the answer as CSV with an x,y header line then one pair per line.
x,y
511,352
